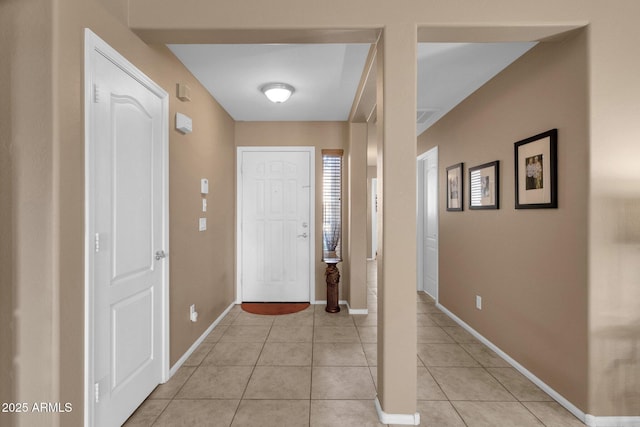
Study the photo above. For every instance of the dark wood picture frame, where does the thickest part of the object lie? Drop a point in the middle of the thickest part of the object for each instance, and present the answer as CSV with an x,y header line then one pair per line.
x,y
455,187
484,186
536,171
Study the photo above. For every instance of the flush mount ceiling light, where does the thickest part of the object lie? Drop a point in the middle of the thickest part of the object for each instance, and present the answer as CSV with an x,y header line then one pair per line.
x,y
277,92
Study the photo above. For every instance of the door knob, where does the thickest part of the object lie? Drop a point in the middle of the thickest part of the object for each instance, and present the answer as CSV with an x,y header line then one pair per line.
x,y
302,235
305,225
160,255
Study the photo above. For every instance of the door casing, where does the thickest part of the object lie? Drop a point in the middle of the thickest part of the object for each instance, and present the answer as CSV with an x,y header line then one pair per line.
x,y
312,208
94,45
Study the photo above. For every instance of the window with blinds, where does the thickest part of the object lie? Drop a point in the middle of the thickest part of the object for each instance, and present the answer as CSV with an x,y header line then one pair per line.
x,y
332,203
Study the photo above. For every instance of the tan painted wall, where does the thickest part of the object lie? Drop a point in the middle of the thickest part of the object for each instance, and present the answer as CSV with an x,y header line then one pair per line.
x,y
357,212
396,276
201,264
28,334
529,266
307,134
613,132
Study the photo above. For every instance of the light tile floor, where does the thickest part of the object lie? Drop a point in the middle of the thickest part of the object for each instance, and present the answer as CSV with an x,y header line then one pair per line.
x,y
318,369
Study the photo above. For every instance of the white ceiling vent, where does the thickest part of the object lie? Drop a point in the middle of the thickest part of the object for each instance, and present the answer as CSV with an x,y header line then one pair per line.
x,y
423,115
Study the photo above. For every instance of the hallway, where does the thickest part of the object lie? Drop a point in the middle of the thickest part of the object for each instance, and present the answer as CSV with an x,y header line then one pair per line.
x,y
318,369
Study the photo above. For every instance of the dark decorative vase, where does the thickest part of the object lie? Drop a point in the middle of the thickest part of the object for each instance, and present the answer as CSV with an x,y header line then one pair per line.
x,y
333,278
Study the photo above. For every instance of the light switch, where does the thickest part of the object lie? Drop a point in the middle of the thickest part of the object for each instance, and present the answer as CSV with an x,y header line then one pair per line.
x,y
204,205
204,186
202,225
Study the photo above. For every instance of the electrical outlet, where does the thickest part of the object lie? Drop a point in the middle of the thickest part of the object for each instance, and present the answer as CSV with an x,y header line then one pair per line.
x,y
478,302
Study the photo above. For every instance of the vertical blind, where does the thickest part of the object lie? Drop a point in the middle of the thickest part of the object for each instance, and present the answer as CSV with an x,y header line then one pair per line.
x,y
332,203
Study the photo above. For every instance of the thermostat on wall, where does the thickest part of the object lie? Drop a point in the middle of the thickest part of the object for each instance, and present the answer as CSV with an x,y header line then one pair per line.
x,y
183,123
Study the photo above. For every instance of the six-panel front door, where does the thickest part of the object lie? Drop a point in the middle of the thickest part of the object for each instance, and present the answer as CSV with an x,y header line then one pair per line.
x,y
275,225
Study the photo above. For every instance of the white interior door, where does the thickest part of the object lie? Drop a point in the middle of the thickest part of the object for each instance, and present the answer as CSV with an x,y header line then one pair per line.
x,y
428,223
431,229
374,218
276,225
126,220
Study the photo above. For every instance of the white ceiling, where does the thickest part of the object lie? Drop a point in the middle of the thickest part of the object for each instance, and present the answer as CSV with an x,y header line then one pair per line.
x,y
326,76
450,72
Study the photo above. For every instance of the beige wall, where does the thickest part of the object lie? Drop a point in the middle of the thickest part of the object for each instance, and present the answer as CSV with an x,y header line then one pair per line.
x,y
614,318
46,166
321,135
202,263
45,196
28,334
396,277
357,213
529,266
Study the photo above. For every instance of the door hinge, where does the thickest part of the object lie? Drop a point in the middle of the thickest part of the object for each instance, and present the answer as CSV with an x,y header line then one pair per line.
x,y
97,242
96,93
96,390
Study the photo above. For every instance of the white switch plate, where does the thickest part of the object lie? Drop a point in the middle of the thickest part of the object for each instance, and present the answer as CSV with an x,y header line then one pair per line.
x,y
204,205
478,302
202,224
183,123
204,186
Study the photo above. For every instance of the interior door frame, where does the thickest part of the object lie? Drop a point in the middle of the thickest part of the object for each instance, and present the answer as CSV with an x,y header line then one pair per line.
x,y
94,45
312,213
421,216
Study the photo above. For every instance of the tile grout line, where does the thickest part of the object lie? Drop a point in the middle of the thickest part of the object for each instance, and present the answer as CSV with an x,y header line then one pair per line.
x,y
445,394
253,369
313,332
515,397
155,420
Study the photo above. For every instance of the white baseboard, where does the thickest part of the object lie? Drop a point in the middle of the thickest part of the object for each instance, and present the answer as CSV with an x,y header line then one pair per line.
x,y
590,420
351,310
199,341
320,302
401,419
593,421
524,371
357,310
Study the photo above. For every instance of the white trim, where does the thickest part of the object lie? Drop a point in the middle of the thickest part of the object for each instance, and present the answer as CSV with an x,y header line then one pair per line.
x,y
593,421
324,301
95,45
524,371
590,420
312,215
199,341
403,419
357,310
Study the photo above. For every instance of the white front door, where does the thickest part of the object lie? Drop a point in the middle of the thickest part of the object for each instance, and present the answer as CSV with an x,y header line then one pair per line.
x,y
276,224
126,223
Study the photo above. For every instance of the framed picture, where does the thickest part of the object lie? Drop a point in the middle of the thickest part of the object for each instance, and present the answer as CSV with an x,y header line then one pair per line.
x,y
455,188
484,185
536,167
